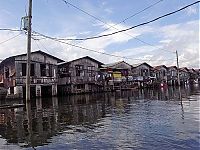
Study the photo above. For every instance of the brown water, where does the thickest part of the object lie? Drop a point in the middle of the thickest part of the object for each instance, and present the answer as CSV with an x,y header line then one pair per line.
x,y
141,119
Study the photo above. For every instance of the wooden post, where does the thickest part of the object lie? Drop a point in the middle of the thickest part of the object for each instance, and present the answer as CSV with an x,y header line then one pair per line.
x,y
178,68
180,96
28,53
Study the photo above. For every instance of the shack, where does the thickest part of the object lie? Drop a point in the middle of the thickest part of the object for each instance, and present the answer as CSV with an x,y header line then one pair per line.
x,y
43,74
79,76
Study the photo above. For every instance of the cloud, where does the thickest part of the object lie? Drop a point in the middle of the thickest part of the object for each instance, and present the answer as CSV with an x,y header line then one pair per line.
x,y
104,3
182,37
191,10
185,39
108,10
165,41
85,33
13,46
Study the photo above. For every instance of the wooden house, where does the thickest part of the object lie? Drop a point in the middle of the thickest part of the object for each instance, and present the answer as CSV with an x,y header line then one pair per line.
x,y
116,73
198,75
143,73
161,73
184,75
172,75
42,74
79,76
193,76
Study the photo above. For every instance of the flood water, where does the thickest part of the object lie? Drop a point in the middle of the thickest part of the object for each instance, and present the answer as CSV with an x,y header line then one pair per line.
x,y
139,119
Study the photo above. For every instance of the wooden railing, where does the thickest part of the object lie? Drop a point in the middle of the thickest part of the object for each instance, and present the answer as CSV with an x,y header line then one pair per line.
x,y
80,80
36,80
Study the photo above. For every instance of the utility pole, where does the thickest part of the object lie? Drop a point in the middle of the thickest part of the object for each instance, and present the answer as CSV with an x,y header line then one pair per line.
x,y
178,68
28,53
179,88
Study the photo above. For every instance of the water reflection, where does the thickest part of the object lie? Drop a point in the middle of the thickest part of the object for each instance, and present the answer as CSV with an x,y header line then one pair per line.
x,y
128,118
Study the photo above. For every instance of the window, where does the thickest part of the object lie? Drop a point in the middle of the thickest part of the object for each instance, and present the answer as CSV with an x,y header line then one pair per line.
x,y
144,72
43,70
79,70
141,72
124,72
6,72
90,71
49,70
32,71
23,69
11,90
64,72
164,73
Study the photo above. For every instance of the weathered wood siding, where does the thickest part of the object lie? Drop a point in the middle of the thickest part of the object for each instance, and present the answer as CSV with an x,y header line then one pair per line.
x,y
10,65
172,72
86,75
161,73
122,65
137,70
36,59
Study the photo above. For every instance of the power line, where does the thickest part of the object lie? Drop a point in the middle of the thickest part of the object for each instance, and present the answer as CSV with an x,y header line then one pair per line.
x,y
135,14
66,2
95,37
37,44
44,47
113,26
92,50
141,11
10,38
7,29
141,24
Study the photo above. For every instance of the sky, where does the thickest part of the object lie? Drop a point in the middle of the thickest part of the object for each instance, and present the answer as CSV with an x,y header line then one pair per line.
x,y
154,43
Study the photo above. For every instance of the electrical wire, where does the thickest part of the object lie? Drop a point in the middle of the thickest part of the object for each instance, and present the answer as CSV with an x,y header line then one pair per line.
x,y
92,50
138,25
7,29
141,11
10,38
43,46
95,37
68,3
135,14
113,26
37,44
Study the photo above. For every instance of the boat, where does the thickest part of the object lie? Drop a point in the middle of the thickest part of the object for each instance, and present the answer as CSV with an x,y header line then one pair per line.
x,y
3,93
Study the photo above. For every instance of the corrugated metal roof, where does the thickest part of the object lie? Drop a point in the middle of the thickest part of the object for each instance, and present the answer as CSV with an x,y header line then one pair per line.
x,y
85,57
136,65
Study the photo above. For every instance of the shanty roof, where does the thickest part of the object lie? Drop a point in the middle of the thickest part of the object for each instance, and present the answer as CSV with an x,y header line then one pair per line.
x,y
172,67
137,65
39,51
85,57
192,70
112,65
160,66
184,68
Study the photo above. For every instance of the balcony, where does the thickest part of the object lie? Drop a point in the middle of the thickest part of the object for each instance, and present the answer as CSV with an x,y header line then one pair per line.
x,y
83,80
36,80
